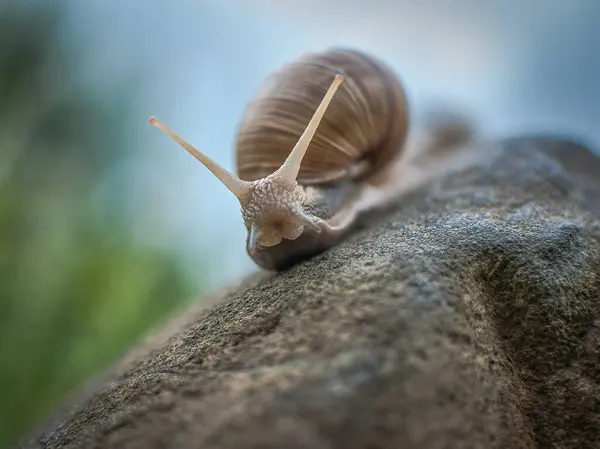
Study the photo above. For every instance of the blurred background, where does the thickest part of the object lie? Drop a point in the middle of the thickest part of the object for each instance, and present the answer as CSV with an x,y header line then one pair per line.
x,y
107,227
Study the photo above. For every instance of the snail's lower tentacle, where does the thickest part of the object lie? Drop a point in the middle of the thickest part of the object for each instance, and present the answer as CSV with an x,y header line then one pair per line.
x,y
310,221
340,222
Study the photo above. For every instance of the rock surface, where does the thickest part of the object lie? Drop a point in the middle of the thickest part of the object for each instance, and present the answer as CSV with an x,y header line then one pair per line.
x,y
467,316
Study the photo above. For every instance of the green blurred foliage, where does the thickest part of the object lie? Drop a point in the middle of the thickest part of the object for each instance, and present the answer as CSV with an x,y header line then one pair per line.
x,y
76,290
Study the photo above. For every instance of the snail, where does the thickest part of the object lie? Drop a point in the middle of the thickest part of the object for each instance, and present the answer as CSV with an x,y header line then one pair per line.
x,y
315,149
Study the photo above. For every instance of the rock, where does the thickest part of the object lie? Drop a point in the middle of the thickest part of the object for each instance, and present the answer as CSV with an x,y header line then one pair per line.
x,y
466,316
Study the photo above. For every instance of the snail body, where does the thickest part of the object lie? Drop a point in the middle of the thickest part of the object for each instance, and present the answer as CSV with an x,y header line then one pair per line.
x,y
306,159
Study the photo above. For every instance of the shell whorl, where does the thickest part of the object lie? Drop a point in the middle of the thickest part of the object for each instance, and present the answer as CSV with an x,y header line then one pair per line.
x,y
363,129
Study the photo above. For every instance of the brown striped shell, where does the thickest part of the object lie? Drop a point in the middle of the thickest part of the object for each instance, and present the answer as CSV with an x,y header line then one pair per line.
x,y
363,129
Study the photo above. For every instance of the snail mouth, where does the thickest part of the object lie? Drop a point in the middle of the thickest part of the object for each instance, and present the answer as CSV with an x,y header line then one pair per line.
x,y
288,229
273,233
277,230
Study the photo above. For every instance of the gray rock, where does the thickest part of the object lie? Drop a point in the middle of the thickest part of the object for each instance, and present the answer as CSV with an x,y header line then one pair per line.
x,y
466,316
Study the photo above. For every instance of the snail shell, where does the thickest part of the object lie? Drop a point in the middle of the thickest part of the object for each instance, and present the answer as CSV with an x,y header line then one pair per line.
x,y
363,129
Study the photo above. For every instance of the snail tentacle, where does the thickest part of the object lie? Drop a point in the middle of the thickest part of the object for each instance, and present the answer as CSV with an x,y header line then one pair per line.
x,y
238,187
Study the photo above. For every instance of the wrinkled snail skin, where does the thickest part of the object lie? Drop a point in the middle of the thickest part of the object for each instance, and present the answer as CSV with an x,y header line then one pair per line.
x,y
325,202
323,141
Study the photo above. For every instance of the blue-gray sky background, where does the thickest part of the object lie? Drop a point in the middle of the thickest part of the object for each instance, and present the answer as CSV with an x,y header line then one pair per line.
x,y
517,66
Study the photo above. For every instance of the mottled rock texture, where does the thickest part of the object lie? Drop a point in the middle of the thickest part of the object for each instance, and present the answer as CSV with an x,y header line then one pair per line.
x,y
466,316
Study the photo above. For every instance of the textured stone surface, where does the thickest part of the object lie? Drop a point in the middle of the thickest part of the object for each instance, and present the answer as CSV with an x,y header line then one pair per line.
x,y
465,317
